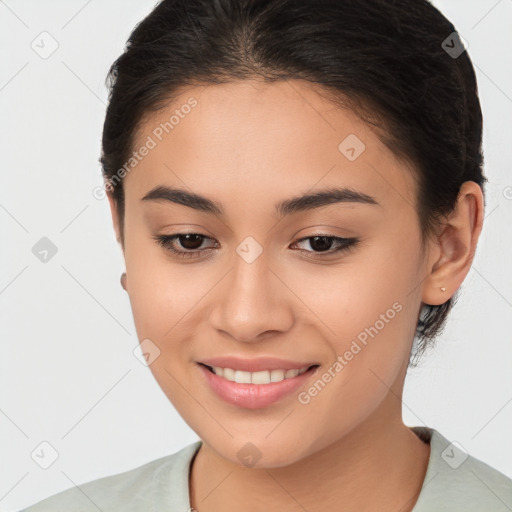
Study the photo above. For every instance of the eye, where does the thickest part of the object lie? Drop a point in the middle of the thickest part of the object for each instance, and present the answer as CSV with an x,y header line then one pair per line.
x,y
324,243
190,244
188,241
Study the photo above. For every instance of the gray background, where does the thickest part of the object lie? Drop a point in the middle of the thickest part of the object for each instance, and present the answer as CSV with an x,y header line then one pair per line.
x,y
68,374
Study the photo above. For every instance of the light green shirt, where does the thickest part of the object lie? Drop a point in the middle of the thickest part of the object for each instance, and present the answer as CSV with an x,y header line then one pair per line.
x,y
454,481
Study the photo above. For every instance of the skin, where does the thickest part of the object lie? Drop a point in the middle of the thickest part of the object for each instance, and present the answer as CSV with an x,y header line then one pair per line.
x,y
249,145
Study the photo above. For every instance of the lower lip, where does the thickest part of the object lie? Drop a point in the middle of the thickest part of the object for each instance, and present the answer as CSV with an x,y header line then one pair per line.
x,y
254,396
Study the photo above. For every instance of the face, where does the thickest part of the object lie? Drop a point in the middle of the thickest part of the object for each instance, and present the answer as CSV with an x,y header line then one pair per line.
x,y
331,285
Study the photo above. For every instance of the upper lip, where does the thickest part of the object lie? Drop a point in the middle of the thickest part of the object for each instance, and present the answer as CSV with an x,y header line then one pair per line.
x,y
255,364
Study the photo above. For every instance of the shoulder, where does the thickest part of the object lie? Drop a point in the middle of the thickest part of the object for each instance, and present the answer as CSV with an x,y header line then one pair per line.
x,y
161,481
455,480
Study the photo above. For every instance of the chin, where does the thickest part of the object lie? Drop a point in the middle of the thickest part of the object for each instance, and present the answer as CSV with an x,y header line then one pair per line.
x,y
259,452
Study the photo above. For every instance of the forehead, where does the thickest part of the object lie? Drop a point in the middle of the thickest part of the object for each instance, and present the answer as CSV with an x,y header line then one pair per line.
x,y
250,140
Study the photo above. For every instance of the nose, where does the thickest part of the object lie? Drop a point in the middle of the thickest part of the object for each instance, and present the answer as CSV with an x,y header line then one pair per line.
x,y
253,302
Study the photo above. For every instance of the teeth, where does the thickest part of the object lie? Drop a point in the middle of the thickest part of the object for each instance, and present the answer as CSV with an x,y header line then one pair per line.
x,y
243,377
262,377
277,375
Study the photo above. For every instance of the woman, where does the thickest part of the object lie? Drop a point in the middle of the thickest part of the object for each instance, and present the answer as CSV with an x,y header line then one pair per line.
x,y
297,188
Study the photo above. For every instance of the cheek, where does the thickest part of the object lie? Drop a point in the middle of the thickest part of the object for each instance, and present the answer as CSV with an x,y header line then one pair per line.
x,y
367,315
163,304
366,288
369,354
161,291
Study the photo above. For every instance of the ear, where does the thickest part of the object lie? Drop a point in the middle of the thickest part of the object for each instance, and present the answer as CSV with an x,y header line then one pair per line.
x,y
455,247
115,217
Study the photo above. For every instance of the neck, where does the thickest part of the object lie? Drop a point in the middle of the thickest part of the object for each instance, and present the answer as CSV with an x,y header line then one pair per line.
x,y
379,465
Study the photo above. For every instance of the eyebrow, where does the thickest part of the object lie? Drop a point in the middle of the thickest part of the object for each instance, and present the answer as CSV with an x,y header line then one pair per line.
x,y
300,203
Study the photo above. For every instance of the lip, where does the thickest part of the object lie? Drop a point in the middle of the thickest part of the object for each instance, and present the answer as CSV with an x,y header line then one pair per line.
x,y
254,396
255,364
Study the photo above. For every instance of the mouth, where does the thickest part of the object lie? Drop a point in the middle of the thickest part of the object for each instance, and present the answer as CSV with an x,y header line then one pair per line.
x,y
258,389
261,377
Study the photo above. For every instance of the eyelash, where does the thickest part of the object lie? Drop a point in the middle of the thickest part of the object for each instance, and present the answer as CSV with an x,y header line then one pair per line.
x,y
345,245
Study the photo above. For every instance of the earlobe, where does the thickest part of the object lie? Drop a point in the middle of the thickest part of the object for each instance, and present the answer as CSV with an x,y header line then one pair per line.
x,y
455,246
123,281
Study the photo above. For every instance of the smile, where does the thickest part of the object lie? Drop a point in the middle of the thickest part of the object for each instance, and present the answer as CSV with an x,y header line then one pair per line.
x,y
254,389
261,377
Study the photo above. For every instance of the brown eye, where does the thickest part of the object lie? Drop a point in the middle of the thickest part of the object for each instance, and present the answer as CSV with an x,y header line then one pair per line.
x,y
324,243
190,241
321,243
189,244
